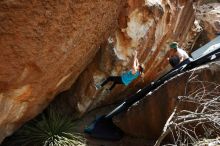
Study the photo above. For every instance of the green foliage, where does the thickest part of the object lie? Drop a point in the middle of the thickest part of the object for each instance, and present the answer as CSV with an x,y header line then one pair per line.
x,y
49,129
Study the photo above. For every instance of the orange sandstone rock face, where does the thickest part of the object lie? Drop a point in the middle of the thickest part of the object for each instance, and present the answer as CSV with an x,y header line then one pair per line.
x,y
146,26
45,45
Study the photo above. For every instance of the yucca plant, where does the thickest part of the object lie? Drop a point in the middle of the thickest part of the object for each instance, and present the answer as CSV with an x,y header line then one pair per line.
x,y
49,129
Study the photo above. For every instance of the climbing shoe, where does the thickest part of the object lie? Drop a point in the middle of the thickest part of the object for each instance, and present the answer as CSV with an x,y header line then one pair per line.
x,y
98,86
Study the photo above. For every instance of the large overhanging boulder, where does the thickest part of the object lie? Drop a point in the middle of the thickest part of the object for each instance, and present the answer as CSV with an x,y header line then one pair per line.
x,y
146,26
45,45
147,117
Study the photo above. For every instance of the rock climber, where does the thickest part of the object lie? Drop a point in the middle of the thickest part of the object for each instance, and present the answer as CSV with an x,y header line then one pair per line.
x,y
177,55
126,78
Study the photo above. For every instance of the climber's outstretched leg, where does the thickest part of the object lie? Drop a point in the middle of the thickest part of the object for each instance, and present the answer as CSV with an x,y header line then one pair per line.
x,y
114,79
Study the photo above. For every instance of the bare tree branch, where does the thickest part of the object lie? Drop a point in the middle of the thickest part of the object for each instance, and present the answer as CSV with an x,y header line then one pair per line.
x,y
183,124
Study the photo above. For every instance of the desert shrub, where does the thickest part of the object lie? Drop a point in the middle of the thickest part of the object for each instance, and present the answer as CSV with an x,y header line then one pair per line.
x,y
48,129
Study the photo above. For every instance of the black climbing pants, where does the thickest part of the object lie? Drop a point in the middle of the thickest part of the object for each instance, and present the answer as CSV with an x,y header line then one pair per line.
x,y
174,61
114,79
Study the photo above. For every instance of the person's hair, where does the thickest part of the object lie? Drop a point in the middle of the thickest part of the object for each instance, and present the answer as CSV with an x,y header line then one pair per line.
x,y
174,45
141,68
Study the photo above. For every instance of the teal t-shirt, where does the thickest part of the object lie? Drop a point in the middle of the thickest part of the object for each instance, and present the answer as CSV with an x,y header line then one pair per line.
x,y
128,77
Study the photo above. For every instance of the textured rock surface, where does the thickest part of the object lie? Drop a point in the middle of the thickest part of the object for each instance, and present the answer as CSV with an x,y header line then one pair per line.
x,y
146,26
207,20
44,46
151,112
209,14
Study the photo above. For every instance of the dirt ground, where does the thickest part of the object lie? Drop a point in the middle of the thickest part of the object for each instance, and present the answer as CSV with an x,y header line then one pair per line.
x,y
125,141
